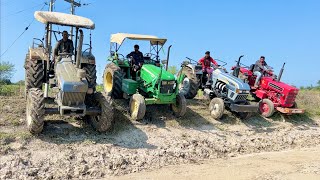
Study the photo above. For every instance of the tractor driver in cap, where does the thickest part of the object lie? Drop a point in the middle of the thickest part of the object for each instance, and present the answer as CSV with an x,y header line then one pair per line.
x,y
259,68
206,63
136,58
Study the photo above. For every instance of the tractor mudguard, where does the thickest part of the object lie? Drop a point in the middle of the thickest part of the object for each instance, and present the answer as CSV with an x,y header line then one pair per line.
x,y
261,94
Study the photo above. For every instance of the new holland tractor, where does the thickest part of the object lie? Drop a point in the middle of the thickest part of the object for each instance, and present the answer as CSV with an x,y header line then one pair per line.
x,y
72,76
272,94
152,84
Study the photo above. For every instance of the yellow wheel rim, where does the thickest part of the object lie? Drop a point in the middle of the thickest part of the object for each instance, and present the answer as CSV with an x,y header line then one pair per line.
x,y
134,108
107,81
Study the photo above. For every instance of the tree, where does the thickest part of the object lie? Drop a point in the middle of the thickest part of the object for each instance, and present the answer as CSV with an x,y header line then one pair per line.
x,y
318,83
173,69
6,72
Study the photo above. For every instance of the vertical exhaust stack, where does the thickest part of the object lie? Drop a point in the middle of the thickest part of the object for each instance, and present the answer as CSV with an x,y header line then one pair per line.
x,y
280,73
79,49
168,55
236,70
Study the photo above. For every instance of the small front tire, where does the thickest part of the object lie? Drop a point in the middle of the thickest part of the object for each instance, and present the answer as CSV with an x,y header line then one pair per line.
x,y
137,107
180,107
216,108
266,108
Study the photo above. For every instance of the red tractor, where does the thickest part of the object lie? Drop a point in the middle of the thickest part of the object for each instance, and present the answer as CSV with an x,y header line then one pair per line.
x,y
271,92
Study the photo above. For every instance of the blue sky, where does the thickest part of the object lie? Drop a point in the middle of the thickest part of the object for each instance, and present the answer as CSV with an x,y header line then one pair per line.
x,y
283,31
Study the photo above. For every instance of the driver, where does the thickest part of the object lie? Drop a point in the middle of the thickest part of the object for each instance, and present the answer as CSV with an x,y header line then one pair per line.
x,y
65,45
206,63
260,67
137,58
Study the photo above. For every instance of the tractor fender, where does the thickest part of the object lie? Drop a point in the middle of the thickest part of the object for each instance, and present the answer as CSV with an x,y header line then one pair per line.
x,y
261,94
37,54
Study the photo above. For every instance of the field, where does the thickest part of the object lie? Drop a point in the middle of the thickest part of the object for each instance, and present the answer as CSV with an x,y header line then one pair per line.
x,y
72,149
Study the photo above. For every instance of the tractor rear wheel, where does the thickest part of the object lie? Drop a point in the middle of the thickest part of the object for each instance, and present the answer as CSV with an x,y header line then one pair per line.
x,y
103,122
137,107
189,86
266,108
35,110
34,74
112,81
91,75
216,108
180,107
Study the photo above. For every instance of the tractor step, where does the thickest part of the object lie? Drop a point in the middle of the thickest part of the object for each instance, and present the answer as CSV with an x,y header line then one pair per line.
x,y
74,111
244,108
290,110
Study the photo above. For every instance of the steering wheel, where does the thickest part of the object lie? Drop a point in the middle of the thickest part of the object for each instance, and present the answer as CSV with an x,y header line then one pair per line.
x,y
120,56
152,56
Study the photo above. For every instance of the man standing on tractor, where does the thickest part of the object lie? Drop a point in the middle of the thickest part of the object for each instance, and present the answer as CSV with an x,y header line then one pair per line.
x,y
65,45
260,67
206,63
136,58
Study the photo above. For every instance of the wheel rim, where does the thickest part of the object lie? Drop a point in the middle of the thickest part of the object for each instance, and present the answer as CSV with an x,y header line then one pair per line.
x,y
185,86
264,108
134,107
215,109
108,82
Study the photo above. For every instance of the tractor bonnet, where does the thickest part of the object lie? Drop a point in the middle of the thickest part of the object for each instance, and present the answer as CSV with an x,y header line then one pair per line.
x,y
120,37
64,19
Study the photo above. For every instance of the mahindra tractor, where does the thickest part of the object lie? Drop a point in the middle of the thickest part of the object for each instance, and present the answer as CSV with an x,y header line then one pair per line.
x,y
149,84
71,78
272,94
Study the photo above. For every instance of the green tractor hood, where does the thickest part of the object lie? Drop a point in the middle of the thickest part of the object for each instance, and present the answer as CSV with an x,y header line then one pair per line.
x,y
151,72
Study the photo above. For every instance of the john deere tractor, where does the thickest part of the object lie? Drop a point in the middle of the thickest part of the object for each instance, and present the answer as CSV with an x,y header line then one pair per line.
x,y
151,84
71,77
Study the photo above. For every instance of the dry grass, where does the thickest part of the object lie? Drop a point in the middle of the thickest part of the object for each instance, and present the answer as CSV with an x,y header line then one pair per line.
x,y
310,101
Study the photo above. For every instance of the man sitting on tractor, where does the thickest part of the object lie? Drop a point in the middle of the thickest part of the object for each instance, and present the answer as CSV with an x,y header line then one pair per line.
x,y
206,63
136,58
260,68
65,45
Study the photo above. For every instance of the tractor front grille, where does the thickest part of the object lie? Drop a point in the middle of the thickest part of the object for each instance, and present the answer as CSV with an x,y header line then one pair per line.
x,y
291,97
167,87
72,98
276,87
241,97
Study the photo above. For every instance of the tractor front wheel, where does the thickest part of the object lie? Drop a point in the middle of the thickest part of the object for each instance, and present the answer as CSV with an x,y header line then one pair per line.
x,y
216,108
137,107
35,110
112,81
189,86
266,108
180,107
34,76
103,122
244,115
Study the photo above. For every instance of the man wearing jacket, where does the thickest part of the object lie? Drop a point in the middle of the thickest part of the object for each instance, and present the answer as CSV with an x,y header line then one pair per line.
x,y
260,67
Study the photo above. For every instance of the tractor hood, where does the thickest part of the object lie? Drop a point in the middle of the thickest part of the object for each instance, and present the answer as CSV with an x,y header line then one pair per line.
x,y
150,72
230,80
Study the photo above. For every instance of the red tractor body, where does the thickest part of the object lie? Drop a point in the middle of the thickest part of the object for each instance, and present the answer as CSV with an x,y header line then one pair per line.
x,y
272,93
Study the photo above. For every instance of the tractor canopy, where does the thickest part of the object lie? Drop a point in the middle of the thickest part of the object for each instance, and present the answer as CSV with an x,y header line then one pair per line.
x,y
120,37
64,19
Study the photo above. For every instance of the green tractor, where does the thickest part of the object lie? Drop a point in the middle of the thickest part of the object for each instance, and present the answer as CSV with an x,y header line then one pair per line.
x,y
151,84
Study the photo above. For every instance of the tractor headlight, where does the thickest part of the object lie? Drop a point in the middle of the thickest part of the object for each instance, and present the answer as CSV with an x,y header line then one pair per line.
x,y
239,91
164,82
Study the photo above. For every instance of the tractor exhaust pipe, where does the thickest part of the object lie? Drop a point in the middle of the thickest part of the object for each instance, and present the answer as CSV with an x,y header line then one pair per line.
x,y
168,55
281,71
79,49
236,70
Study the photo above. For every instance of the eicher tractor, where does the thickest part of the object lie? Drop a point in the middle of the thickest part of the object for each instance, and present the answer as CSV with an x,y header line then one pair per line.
x,y
224,90
151,84
272,94
71,78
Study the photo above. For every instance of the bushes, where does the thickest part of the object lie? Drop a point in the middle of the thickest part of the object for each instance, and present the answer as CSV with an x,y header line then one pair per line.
x,y
11,90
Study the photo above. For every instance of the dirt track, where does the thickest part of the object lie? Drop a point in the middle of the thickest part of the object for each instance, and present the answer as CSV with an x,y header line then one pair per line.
x,y
74,150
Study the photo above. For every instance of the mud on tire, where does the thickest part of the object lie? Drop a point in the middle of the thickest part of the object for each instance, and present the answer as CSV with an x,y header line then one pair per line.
x,y
137,107
35,110
189,86
112,81
34,74
180,108
216,108
103,122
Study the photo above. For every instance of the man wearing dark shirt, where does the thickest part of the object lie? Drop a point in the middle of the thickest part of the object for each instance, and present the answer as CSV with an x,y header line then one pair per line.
x,y
65,45
137,58
260,67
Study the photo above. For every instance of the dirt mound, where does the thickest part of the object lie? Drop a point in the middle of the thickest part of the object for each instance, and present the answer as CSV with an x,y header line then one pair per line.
x,y
75,150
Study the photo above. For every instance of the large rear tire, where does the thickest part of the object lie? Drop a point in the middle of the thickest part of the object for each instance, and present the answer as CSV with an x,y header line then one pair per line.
x,y
137,107
34,74
266,108
91,75
35,110
112,81
103,122
189,86
180,108
216,108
